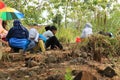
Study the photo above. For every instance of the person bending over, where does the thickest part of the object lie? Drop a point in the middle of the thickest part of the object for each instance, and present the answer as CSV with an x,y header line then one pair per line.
x,y
52,40
36,37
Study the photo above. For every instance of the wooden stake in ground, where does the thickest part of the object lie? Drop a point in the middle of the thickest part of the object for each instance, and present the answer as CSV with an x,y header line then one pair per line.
x,y
0,50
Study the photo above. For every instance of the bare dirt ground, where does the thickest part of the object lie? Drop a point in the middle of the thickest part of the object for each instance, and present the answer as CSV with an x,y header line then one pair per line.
x,y
54,65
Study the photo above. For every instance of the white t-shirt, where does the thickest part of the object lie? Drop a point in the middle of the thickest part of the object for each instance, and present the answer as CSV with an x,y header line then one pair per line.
x,y
48,34
33,33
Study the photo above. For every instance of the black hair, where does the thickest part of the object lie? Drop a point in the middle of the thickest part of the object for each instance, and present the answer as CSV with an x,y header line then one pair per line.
x,y
53,28
4,23
47,27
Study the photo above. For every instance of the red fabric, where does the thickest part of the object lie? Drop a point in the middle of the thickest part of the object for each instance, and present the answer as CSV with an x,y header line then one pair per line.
x,y
4,39
2,5
78,39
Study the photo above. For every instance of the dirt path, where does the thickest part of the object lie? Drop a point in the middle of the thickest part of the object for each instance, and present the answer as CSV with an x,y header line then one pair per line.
x,y
54,62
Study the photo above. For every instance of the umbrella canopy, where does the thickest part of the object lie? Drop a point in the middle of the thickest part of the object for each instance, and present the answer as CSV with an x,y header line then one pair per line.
x,y
8,13
2,5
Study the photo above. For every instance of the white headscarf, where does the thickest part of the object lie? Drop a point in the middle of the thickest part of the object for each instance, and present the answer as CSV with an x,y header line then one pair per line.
x,y
87,31
33,33
88,25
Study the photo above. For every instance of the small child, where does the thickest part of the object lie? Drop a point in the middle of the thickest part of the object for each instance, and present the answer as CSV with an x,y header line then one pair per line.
x,y
35,36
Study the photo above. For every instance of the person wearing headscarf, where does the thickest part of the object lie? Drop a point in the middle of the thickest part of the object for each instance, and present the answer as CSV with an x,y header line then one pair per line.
x,y
87,31
35,36
18,37
52,40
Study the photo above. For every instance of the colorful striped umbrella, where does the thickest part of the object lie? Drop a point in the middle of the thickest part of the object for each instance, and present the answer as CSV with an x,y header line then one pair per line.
x,y
8,13
2,5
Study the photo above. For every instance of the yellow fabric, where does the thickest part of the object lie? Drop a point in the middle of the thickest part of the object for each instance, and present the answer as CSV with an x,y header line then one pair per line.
x,y
8,9
40,45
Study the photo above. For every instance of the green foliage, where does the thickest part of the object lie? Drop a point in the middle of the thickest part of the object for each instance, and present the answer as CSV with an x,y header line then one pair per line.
x,y
57,19
68,75
102,44
114,22
67,35
75,14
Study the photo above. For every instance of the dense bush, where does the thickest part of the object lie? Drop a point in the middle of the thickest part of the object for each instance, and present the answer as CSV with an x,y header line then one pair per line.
x,y
102,45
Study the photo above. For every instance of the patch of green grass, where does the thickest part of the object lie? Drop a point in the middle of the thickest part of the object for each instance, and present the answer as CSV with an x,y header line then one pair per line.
x,y
68,75
67,35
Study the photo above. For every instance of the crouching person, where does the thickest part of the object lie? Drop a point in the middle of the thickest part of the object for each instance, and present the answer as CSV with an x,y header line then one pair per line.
x,y
35,36
87,31
52,40
109,34
17,38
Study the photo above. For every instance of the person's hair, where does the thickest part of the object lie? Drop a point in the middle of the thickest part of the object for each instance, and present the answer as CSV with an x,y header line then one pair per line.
x,y
4,23
53,28
47,27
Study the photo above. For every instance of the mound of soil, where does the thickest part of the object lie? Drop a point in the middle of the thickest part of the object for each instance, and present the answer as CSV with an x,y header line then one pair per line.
x,y
53,65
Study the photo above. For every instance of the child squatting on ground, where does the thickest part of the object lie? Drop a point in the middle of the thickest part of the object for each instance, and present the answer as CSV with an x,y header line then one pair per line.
x,y
35,36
